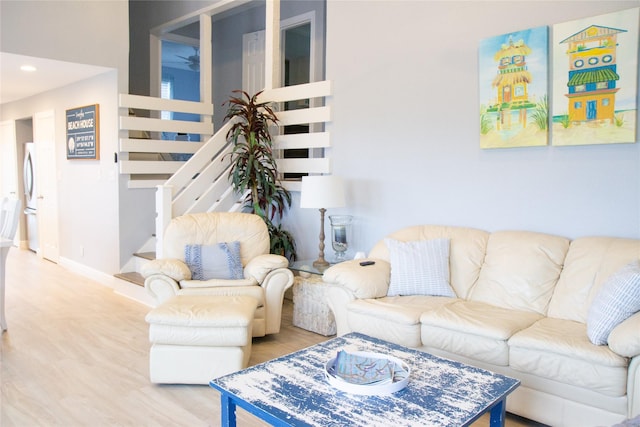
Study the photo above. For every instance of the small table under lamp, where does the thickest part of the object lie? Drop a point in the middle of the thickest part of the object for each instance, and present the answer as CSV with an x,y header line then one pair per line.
x,y
322,192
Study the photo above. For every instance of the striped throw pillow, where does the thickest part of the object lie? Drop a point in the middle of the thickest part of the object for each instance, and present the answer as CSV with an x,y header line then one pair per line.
x,y
617,299
419,267
218,261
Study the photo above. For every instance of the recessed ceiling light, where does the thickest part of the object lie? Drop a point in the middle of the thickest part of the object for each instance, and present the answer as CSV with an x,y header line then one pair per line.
x,y
28,68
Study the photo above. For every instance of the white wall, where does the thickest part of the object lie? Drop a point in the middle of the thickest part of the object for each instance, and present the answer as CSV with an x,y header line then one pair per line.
x,y
405,130
87,189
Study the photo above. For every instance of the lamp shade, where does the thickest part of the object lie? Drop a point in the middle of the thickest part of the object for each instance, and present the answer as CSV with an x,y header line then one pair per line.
x,y
322,191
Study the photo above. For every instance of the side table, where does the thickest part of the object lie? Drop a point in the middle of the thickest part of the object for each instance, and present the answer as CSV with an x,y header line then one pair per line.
x,y
310,309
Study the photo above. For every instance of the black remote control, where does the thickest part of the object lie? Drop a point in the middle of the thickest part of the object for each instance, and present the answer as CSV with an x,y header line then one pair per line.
x,y
365,263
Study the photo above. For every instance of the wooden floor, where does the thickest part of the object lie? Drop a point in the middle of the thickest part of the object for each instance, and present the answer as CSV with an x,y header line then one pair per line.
x,y
76,354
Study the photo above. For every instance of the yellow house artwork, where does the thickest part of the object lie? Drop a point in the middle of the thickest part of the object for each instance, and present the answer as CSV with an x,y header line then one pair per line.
x,y
592,74
595,69
513,89
511,83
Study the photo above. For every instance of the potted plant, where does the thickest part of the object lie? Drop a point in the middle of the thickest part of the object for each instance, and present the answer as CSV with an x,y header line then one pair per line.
x,y
254,169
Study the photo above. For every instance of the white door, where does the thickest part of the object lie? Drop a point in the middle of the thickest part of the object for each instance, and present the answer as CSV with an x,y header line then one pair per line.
x,y
253,62
297,56
46,174
253,55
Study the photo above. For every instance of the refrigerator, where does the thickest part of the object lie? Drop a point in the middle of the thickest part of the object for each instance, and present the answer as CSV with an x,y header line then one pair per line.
x,y
30,195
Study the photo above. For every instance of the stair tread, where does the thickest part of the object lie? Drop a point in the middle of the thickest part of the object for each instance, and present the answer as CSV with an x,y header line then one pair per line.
x,y
146,255
133,277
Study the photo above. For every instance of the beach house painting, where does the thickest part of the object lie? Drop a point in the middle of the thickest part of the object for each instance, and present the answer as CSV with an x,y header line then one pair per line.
x,y
513,70
595,66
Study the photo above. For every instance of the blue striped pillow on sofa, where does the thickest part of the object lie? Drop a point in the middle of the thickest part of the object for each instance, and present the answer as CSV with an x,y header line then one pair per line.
x,y
617,300
419,267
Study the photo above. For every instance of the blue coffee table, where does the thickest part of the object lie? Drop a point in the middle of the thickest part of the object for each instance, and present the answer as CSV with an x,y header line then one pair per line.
x,y
292,390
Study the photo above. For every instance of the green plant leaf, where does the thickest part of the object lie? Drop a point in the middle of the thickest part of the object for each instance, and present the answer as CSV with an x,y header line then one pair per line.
x,y
253,167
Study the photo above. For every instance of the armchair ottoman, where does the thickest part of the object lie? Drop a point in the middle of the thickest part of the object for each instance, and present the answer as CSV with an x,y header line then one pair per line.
x,y
196,338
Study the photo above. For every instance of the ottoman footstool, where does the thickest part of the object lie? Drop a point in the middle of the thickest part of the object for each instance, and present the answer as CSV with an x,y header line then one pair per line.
x,y
196,338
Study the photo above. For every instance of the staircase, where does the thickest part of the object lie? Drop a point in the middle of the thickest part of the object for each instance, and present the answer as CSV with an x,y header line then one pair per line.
x,y
200,184
135,277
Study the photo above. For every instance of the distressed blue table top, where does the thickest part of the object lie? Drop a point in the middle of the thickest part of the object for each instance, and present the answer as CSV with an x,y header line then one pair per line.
x,y
440,392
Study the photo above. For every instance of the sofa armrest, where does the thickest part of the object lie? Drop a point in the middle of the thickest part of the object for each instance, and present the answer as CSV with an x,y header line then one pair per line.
x,y
161,287
371,281
174,268
338,297
633,387
625,339
274,285
260,266
162,277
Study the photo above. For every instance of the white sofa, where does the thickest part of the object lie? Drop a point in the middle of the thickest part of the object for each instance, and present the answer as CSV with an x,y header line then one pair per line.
x,y
520,308
265,276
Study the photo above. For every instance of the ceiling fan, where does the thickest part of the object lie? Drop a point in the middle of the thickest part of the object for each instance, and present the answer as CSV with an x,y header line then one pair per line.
x,y
192,61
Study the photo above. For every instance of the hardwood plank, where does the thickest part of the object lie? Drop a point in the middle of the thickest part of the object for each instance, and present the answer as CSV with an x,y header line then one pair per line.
x,y
131,277
146,255
76,354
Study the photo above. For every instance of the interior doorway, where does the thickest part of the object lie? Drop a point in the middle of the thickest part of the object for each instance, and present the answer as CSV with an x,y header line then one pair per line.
x,y
296,52
37,184
298,67
44,131
180,76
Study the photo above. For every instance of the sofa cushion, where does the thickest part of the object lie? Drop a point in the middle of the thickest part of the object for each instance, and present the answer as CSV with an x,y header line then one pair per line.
x,y
419,267
589,262
198,287
559,349
520,270
466,251
202,320
617,300
217,261
395,319
219,283
474,329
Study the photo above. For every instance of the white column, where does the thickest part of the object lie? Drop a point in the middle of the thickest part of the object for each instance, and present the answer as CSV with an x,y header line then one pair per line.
x,y
272,45
155,65
206,65
163,214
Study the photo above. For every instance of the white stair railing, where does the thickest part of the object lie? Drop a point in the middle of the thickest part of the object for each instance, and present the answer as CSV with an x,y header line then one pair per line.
x,y
201,183
144,156
316,141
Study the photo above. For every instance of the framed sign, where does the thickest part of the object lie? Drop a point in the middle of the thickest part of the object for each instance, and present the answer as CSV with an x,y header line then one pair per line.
x,y
83,132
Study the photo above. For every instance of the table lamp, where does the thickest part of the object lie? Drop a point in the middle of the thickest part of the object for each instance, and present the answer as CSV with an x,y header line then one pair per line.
x,y
322,192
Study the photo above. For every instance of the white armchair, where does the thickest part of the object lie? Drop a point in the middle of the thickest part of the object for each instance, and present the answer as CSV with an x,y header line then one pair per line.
x,y
266,276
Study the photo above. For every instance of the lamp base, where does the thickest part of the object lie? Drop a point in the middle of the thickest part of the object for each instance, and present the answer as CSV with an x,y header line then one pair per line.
x,y
321,264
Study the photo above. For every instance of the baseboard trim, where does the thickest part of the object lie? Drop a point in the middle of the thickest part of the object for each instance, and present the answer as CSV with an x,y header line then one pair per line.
x,y
121,287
